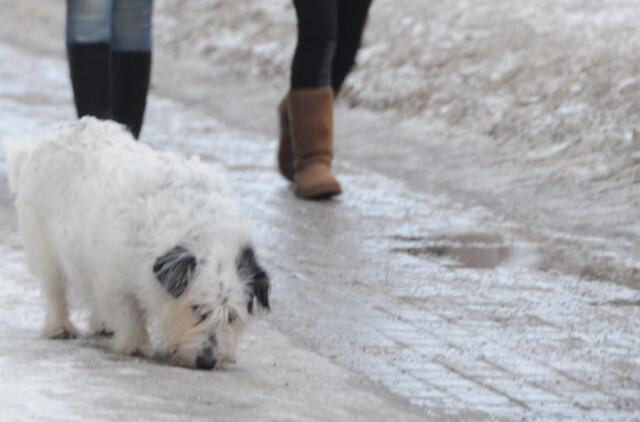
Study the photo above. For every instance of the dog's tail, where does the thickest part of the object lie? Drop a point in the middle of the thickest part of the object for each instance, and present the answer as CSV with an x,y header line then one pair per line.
x,y
17,152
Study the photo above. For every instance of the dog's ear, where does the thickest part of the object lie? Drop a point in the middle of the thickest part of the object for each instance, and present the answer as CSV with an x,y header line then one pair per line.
x,y
257,279
174,270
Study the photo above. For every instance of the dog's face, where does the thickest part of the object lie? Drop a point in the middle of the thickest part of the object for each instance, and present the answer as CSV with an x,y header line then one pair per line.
x,y
212,298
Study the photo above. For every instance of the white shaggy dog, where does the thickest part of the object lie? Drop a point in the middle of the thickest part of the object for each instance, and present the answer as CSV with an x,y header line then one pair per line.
x,y
149,242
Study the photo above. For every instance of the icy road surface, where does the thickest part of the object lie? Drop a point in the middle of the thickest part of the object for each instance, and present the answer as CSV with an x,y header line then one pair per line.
x,y
391,303
40,379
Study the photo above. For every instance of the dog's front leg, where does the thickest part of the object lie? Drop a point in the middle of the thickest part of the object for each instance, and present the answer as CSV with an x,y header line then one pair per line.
x,y
97,320
57,324
129,324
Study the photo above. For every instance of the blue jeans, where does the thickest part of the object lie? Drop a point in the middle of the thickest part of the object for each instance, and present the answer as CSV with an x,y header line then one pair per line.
x,y
123,24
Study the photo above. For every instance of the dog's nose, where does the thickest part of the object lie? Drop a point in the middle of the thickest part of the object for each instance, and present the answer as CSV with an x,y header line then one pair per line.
x,y
203,362
205,359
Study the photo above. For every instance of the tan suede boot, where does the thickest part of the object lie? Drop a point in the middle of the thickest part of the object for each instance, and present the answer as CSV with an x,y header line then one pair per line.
x,y
285,149
311,122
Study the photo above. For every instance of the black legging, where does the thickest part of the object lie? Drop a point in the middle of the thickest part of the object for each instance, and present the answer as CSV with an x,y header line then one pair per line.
x,y
329,34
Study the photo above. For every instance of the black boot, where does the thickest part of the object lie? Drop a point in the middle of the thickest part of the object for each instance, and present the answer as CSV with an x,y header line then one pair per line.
x,y
131,72
89,67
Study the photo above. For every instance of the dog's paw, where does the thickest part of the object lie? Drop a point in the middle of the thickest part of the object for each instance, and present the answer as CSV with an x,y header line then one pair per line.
x,y
140,351
103,332
99,328
65,332
132,348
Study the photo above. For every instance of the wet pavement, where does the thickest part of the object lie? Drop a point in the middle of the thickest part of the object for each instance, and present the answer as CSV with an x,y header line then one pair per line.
x,y
447,305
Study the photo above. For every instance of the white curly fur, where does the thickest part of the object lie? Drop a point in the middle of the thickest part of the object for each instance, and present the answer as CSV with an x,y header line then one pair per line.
x,y
96,209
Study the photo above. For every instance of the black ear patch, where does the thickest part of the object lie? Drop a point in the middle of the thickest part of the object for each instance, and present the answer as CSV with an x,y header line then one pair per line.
x,y
258,280
174,270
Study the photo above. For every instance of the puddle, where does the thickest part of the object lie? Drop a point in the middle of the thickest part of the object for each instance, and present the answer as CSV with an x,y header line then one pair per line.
x,y
473,250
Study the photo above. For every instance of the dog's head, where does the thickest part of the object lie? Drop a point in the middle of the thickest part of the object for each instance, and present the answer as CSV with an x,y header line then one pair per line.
x,y
210,300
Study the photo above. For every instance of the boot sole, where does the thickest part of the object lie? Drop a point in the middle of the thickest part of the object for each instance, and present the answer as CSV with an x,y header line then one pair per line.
x,y
319,193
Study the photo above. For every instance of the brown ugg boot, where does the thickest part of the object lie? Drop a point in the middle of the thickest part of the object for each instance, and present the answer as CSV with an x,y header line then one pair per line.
x,y
311,119
285,149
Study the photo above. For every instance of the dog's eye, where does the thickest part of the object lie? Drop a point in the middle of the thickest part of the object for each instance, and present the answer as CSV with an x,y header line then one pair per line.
x,y
201,312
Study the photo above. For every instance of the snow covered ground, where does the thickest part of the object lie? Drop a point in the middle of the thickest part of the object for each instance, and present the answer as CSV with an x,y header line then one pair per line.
x,y
482,264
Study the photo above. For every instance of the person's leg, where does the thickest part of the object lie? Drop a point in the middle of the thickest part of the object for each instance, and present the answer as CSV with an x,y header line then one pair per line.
x,y
317,35
352,18
131,61
307,111
88,36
